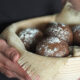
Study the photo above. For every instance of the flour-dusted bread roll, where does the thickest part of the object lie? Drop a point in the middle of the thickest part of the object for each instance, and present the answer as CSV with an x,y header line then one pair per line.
x,y
53,47
30,37
61,31
68,15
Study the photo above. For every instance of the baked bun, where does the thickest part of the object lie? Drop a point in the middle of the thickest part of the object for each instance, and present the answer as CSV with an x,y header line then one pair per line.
x,y
30,37
61,31
53,46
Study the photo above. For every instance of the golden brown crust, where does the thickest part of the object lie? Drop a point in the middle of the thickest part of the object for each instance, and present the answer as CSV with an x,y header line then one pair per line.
x,y
30,37
61,31
53,47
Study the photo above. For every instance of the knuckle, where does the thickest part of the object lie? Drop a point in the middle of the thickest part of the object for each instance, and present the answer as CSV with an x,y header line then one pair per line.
x,y
11,51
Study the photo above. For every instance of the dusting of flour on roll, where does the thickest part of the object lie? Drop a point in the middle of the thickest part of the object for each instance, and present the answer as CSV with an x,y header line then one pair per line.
x,y
61,31
30,37
52,46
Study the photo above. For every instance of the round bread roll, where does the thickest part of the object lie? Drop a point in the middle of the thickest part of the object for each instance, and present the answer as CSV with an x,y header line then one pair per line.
x,y
30,37
53,47
61,31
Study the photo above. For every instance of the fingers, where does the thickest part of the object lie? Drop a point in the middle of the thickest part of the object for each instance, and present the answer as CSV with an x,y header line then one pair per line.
x,y
18,70
8,67
13,67
12,54
8,51
8,73
17,76
5,71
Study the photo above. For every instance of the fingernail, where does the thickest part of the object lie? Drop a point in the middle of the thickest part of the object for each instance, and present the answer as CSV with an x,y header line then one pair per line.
x,y
15,57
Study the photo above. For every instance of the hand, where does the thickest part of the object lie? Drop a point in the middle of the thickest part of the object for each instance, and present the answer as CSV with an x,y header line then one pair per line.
x,y
76,4
8,62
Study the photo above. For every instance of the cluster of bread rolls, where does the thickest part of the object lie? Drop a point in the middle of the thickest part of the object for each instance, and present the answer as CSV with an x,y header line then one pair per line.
x,y
56,40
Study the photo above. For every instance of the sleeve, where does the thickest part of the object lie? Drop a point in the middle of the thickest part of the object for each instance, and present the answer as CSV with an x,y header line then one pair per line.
x,y
56,6
15,10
